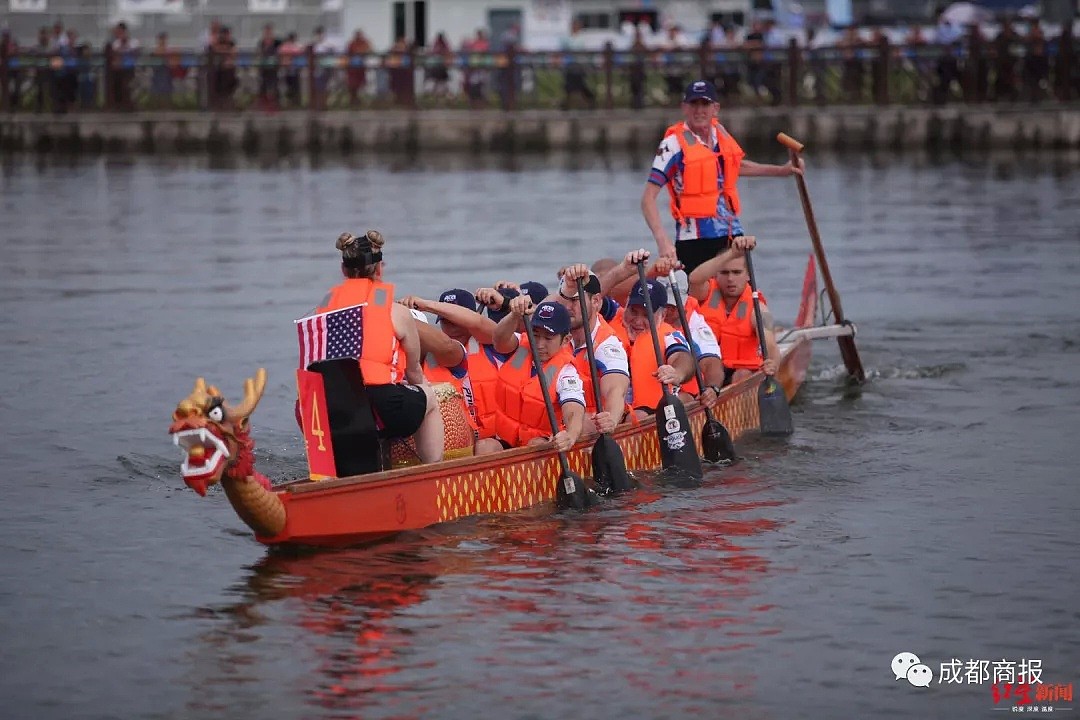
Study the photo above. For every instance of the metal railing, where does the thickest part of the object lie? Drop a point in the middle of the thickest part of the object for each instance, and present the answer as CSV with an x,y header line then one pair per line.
x,y
974,71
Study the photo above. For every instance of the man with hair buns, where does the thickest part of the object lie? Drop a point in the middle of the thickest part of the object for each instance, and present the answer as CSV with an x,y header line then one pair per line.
x,y
522,414
723,292
401,397
612,363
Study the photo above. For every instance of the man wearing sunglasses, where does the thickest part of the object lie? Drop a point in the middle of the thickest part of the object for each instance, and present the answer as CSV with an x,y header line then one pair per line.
x,y
700,163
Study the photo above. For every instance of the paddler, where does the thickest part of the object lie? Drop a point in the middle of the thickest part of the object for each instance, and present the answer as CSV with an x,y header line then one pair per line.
x,y
700,164
521,417
706,345
401,397
473,374
612,362
722,289
645,375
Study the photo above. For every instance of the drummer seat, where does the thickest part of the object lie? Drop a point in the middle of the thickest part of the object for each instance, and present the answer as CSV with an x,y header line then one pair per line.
x,y
354,430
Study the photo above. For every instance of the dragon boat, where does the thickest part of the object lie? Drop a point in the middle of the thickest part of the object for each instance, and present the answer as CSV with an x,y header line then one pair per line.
x,y
340,511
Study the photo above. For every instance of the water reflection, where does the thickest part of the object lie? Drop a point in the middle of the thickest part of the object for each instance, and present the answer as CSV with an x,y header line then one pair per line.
x,y
655,601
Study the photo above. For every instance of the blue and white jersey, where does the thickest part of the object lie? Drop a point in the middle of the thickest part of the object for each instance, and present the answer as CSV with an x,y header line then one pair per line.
x,y
668,167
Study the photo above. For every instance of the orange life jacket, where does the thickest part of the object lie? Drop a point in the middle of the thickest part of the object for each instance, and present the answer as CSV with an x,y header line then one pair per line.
x,y
484,381
436,373
581,361
382,361
521,414
645,388
736,329
701,173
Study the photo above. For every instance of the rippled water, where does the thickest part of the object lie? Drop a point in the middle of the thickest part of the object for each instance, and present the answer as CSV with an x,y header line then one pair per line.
x,y
935,511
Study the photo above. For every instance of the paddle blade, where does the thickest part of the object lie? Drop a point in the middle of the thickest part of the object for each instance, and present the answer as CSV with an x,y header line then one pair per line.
x,y
773,406
851,358
676,441
609,467
572,492
716,443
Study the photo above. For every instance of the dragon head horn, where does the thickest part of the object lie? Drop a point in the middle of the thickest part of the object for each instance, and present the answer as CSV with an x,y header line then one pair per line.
x,y
253,390
200,387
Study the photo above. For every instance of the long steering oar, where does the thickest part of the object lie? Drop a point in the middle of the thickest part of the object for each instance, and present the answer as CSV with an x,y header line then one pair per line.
x,y
609,465
772,404
672,424
848,352
716,443
571,491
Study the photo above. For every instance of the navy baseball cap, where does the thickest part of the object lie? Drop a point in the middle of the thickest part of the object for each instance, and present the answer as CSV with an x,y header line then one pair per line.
x,y
534,290
457,296
508,293
552,317
657,294
700,90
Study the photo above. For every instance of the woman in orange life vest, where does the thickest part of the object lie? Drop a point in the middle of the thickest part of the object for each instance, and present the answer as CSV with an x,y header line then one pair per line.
x,y
521,417
700,163
722,290
612,362
475,374
404,409
645,375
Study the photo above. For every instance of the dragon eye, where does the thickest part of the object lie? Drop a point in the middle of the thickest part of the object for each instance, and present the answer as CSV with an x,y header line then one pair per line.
x,y
216,412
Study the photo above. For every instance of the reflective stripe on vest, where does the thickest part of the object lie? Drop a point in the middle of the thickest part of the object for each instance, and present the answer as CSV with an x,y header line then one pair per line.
x,y
381,359
521,414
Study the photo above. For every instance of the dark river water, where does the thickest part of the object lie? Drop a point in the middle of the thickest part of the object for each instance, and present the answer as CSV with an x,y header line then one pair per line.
x,y
935,511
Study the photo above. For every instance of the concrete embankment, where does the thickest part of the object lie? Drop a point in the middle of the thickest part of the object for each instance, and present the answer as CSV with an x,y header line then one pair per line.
x,y
834,128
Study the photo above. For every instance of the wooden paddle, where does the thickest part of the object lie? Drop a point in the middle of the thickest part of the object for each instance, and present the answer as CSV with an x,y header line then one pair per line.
x,y
772,404
848,351
609,465
672,423
716,443
571,491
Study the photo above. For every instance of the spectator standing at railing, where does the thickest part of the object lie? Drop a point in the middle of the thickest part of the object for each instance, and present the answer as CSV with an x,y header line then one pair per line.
x,y
508,81
575,84
438,72
1005,62
225,68
638,75
124,50
14,88
321,48
161,76
674,72
476,78
266,50
978,63
775,44
1036,70
356,76
42,72
287,54
852,72
730,67
67,81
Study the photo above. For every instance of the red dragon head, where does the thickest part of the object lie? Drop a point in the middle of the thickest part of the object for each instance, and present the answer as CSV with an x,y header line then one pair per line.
x,y
214,435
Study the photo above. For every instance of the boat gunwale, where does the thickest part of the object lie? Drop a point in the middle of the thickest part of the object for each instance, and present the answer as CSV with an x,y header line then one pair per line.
x,y
447,468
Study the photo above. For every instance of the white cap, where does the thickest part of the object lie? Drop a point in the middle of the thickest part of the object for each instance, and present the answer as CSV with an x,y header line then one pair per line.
x,y
684,286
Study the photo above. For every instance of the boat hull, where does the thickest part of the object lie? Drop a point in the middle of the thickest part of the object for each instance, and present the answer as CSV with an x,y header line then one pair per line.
x,y
370,507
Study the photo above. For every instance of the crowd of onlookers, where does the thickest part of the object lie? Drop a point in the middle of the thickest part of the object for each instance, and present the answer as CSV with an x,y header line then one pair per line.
x,y
284,71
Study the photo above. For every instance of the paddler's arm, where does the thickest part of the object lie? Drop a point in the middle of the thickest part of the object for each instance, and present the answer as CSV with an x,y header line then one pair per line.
x,y
683,364
699,278
749,168
574,419
613,387
623,271
447,352
479,326
504,339
405,329
651,212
